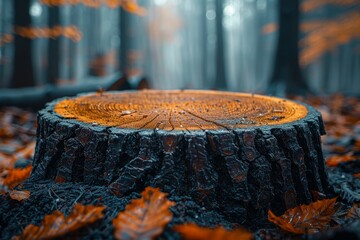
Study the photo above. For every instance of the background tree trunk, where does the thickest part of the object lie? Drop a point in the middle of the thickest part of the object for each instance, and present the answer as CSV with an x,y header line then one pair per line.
x,y
220,67
53,48
23,75
287,77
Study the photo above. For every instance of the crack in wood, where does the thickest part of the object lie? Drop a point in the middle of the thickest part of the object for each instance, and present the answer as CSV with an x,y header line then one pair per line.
x,y
206,120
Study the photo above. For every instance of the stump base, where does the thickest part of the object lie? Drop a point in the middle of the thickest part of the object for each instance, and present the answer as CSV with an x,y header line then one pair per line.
x,y
240,162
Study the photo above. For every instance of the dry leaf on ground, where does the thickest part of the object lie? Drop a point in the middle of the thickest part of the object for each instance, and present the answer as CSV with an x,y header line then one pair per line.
x,y
56,225
335,160
357,145
192,231
144,218
6,162
27,151
354,211
303,219
15,176
19,195
356,175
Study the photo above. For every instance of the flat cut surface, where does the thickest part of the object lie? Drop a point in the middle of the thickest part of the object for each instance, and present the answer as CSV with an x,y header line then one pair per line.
x,y
180,110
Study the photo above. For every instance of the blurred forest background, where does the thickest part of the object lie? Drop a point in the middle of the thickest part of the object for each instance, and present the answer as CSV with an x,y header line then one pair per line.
x,y
237,45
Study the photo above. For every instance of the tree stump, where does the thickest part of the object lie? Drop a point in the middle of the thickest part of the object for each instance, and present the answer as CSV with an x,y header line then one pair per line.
x,y
237,153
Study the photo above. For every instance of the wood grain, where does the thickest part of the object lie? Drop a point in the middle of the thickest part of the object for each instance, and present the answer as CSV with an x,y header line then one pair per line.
x,y
180,110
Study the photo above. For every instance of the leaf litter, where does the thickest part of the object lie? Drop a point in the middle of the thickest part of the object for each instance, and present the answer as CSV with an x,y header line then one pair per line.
x,y
342,144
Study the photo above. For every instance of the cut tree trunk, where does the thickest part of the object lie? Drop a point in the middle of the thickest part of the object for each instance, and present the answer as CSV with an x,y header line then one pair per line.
x,y
240,154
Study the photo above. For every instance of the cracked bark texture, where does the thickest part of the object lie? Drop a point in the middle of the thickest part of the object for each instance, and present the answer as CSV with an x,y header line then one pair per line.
x,y
239,171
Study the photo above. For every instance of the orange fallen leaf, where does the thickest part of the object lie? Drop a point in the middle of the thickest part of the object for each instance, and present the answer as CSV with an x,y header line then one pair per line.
x,y
336,148
16,176
334,161
27,151
19,195
192,231
356,175
56,225
309,219
357,145
354,211
6,161
144,218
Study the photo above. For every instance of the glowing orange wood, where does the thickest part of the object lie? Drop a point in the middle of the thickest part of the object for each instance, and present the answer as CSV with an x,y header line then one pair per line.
x,y
180,110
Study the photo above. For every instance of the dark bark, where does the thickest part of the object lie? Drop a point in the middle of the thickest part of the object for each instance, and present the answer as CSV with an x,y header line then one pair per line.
x,y
239,172
23,75
287,77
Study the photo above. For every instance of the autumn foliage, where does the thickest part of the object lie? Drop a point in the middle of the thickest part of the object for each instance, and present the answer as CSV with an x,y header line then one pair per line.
x,y
329,35
72,32
192,231
148,216
129,5
19,143
354,212
19,195
15,176
144,218
335,160
310,5
323,36
306,219
56,225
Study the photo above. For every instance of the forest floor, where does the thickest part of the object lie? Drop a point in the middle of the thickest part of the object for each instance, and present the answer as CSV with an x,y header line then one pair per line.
x,y
59,207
